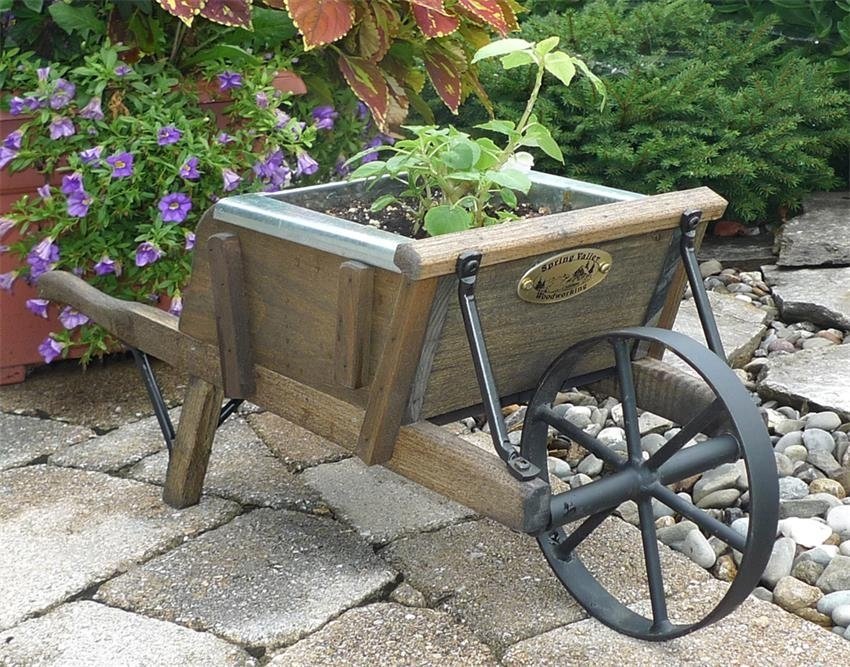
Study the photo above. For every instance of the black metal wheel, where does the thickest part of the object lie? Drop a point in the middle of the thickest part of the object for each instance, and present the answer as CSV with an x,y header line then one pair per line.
x,y
734,429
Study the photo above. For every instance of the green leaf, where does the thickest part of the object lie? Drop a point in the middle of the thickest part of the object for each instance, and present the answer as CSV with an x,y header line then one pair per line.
x,y
80,19
369,170
229,52
508,197
501,47
444,219
560,65
5,5
33,5
511,178
501,126
539,135
462,156
473,176
382,202
517,59
545,46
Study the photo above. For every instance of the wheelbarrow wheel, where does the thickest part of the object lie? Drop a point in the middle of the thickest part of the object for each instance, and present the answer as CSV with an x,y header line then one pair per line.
x,y
735,430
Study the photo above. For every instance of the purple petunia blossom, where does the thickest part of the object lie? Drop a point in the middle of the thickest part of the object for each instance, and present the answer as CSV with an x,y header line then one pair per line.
x,y
174,207
16,106
228,80
168,135
50,349
38,307
324,117
13,140
71,319
61,127
42,257
92,110
6,280
190,241
122,69
189,170
122,164
105,266
378,140
282,119
91,155
63,94
224,138
42,73
147,253
230,179
176,305
72,183
44,191
33,103
362,111
306,165
78,203
262,100
7,155
273,171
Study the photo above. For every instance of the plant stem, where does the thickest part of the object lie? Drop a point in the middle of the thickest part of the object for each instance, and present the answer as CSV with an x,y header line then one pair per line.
x,y
178,38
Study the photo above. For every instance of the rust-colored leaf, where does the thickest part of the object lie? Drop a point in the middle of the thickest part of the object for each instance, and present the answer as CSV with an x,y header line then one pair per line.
x,y
373,35
185,10
434,5
398,106
321,21
489,11
367,82
275,4
232,13
445,76
509,14
434,23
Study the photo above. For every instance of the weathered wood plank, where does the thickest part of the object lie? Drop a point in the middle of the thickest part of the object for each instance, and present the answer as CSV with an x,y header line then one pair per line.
x,y
353,325
231,315
390,387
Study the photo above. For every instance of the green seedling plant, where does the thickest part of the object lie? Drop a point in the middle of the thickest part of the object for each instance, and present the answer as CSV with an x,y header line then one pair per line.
x,y
455,181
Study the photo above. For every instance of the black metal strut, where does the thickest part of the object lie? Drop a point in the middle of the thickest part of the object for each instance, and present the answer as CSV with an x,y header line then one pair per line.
x,y
468,264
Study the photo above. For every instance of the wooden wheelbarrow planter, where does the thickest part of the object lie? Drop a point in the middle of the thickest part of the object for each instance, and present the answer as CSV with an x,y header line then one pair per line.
x,y
371,339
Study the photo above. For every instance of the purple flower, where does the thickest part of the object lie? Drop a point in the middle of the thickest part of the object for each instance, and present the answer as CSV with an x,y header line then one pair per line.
x,y
189,170
190,241
282,119
168,135
230,179
38,307
224,138
33,103
362,111
71,319
42,257
228,80
78,203
378,140
63,94
342,169
306,165
92,110
122,164
324,117
262,100
105,266
13,140
16,106
273,171
147,253
50,349
44,191
6,280
174,207
7,155
122,69
91,155
5,226
61,127
176,305
43,73
72,183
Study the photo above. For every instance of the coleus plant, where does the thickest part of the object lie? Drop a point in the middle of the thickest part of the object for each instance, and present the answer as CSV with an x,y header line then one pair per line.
x,y
378,44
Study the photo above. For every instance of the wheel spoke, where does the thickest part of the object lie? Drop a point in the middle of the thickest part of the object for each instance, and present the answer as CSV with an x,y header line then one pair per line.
x,y
699,458
565,549
653,563
703,420
700,518
627,398
573,432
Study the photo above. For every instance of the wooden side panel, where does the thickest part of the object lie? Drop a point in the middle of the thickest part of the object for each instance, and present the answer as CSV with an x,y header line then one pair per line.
x,y
353,325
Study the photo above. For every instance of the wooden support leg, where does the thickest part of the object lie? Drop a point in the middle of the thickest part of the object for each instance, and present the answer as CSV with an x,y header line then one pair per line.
x,y
190,453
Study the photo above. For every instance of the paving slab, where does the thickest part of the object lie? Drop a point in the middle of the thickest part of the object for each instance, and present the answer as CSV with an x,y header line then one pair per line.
x,y
741,326
64,530
757,633
87,633
243,469
102,396
297,447
391,636
26,439
117,449
268,578
380,504
499,584
820,235
820,378
821,296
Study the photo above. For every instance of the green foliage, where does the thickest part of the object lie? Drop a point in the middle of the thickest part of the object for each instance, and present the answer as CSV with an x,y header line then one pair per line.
x,y
692,100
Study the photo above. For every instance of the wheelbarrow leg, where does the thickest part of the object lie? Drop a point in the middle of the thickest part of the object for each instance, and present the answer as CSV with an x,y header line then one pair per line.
x,y
190,454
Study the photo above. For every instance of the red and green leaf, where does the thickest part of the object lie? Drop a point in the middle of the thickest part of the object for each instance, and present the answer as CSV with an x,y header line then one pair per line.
x,y
435,5
232,13
185,10
275,4
446,77
398,104
509,13
321,21
434,22
373,34
489,11
368,83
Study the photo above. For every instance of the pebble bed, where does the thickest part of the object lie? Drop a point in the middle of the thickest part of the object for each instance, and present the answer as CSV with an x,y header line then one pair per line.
x,y
809,570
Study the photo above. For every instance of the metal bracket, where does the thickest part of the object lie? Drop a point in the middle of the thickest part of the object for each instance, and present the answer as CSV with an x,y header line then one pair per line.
x,y
689,222
468,264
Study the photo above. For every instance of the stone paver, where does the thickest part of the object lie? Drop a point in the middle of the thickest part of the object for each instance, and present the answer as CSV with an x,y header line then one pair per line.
x,y
241,468
388,635
117,449
380,504
821,296
25,439
64,530
87,633
297,447
741,326
757,633
267,578
498,581
106,395
820,378
818,236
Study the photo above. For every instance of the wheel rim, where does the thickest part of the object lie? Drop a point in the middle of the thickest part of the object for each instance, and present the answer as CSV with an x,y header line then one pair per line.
x,y
744,436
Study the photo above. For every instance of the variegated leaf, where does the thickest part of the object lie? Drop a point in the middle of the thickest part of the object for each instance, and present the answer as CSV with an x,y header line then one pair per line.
x,y
321,21
367,82
185,10
445,76
489,11
232,13
433,22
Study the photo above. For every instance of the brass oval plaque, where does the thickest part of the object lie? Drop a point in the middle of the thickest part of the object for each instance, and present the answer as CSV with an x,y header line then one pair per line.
x,y
564,276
